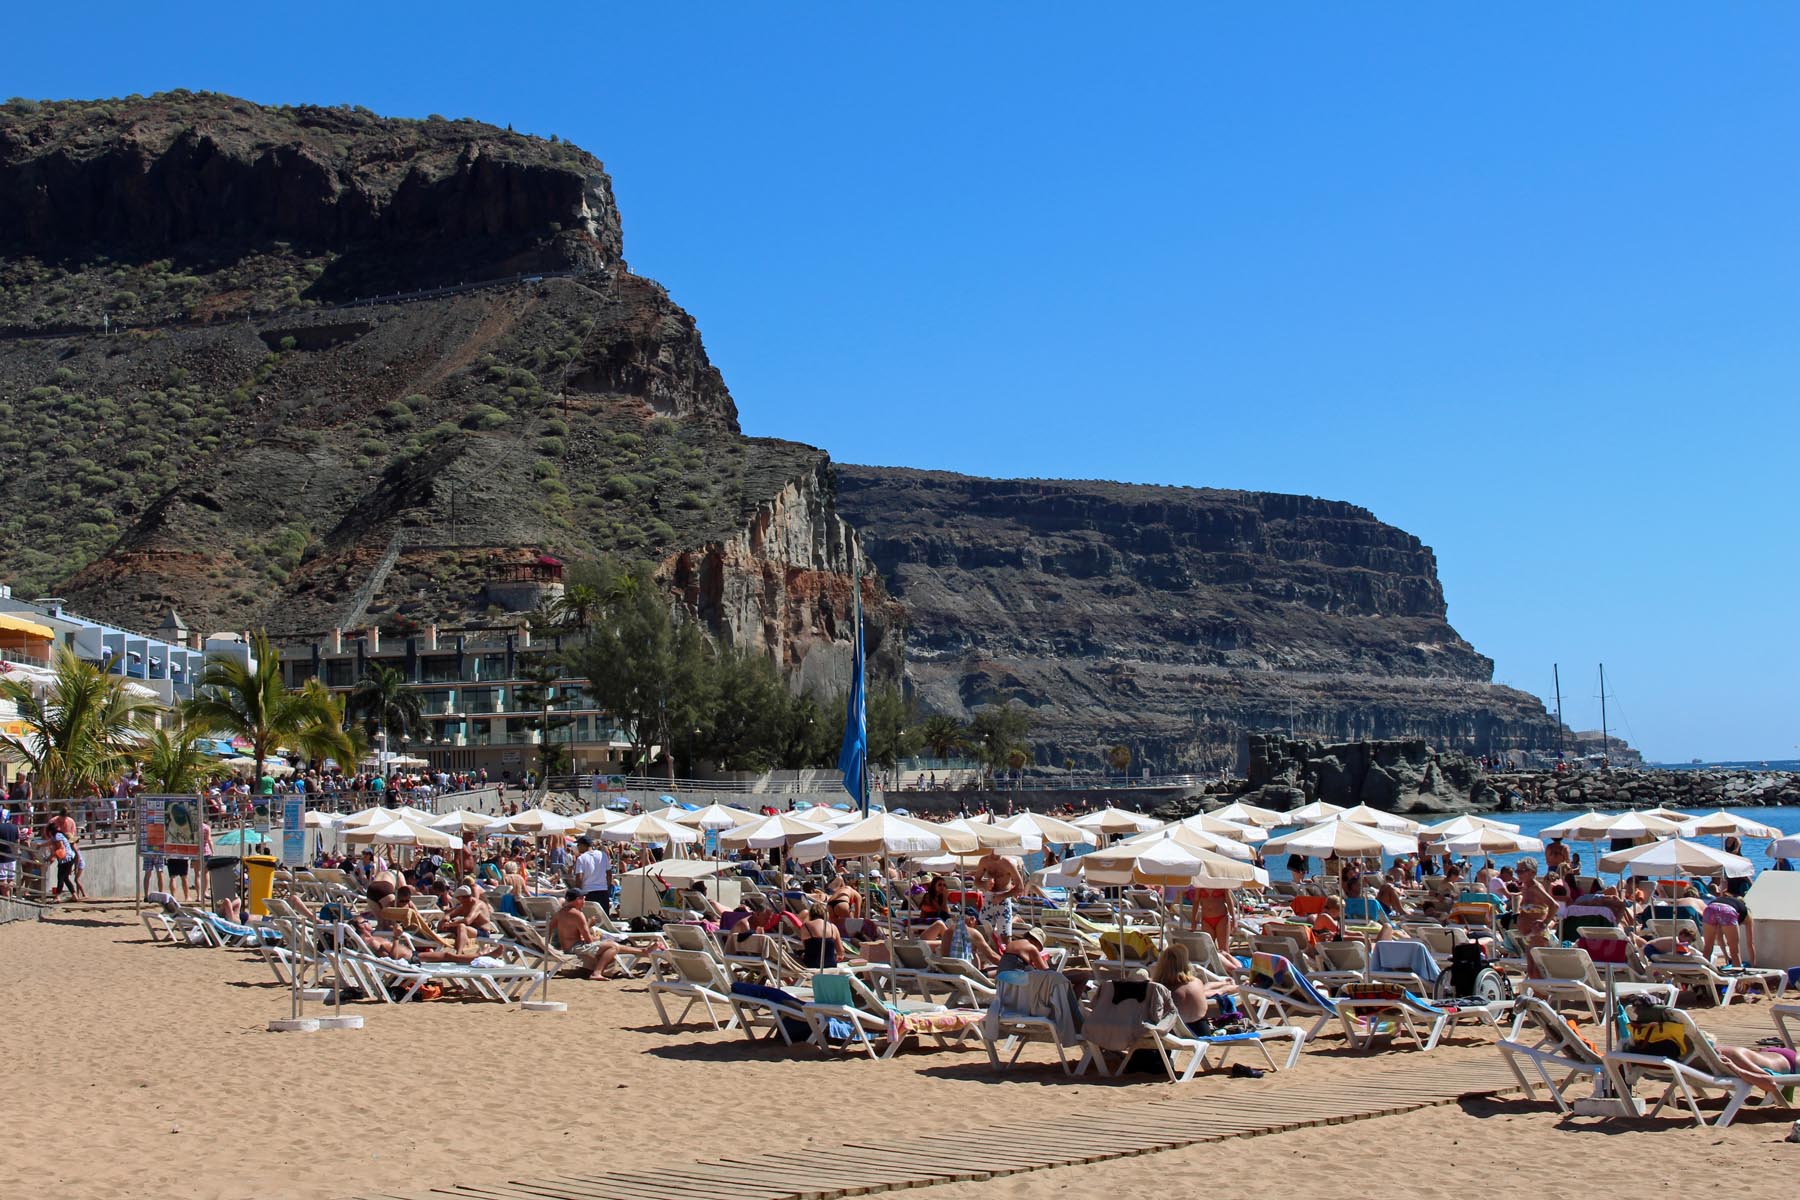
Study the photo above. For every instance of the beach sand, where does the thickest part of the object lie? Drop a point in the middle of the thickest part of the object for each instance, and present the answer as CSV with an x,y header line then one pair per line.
x,y
153,1075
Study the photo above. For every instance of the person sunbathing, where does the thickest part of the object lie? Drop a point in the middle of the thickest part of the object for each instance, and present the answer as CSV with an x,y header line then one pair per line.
x,y
966,939
1174,969
1758,1065
470,910
821,945
406,919
1023,951
571,930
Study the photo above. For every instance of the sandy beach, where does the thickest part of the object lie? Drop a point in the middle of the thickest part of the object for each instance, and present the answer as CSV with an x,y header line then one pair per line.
x,y
156,1077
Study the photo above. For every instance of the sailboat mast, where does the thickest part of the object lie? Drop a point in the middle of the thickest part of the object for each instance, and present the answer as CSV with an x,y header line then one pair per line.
x,y
1605,738
1556,674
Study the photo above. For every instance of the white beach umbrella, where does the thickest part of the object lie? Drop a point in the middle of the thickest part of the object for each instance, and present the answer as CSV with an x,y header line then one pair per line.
x,y
1343,838
1625,825
413,833
1192,837
782,829
403,832
1573,827
1465,824
1676,856
369,816
991,837
884,834
1724,824
648,830
1493,841
1250,814
1048,829
1787,847
1362,814
715,816
1163,861
462,821
1113,821
1234,830
831,818
320,820
1311,814
538,822
598,818
1668,814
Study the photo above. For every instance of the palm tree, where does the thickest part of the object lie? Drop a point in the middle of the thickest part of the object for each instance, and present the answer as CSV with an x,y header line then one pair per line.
x,y
579,605
85,730
942,735
173,764
249,701
383,701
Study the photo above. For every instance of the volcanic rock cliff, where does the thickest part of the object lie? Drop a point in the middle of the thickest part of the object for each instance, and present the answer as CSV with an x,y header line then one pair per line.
x,y
1173,619
303,366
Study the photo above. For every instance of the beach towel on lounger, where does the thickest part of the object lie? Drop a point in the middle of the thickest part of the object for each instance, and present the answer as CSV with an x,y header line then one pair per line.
x,y
1273,973
796,1030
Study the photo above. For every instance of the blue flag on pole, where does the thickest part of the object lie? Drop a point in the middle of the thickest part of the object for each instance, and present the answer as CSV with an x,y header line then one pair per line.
x,y
853,755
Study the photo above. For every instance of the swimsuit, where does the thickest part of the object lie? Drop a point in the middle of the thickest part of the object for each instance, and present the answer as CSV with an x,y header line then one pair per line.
x,y
1719,914
999,914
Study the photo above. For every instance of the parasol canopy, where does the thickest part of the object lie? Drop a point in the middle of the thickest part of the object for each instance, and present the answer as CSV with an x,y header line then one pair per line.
x,y
1676,856
1342,838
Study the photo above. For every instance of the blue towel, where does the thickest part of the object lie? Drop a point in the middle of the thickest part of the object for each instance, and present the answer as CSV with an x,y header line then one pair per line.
x,y
1405,955
795,1029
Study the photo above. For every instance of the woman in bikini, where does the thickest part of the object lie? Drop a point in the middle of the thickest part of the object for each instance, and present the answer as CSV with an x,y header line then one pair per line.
x,y
1211,909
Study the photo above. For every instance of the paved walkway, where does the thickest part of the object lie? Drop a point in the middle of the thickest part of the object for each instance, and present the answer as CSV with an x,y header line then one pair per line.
x,y
1181,1118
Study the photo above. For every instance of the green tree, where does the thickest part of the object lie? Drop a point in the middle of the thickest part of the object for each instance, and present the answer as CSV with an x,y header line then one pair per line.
x,y
248,700
84,731
173,763
996,731
647,666
579,605
1119,758
944,736
806,737
743,719
893,735
384,703
540,690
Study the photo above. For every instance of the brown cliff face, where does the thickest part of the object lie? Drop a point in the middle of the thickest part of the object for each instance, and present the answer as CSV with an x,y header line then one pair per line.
x,y
364,204
782,587
302,463
1174,619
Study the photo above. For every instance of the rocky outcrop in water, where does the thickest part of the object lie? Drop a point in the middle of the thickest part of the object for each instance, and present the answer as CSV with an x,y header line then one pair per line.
x,y
1405,776
1685,790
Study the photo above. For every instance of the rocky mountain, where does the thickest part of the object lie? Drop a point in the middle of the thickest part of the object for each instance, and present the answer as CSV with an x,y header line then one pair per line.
x,y
1172,620
303,366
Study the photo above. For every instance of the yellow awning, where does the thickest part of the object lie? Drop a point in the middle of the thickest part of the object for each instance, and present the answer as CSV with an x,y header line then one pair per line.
x,y
17,624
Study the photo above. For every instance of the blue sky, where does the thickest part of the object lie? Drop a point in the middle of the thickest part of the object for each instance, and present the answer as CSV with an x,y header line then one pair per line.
x,y
1522,283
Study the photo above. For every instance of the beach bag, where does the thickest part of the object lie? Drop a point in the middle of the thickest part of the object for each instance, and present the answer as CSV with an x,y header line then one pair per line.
x,y
1654,1030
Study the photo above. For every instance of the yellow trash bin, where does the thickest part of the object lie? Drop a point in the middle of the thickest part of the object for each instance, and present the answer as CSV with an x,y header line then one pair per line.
x,y
261,870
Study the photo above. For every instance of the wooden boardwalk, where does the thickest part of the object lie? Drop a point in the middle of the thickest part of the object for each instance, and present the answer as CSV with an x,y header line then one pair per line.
x,y
1183,1116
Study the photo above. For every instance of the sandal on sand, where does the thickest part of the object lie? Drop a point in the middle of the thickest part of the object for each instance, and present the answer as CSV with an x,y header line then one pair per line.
x,y
1240,1071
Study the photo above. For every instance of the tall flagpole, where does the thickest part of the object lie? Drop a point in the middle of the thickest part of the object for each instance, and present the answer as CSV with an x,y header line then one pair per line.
x,y
862,671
